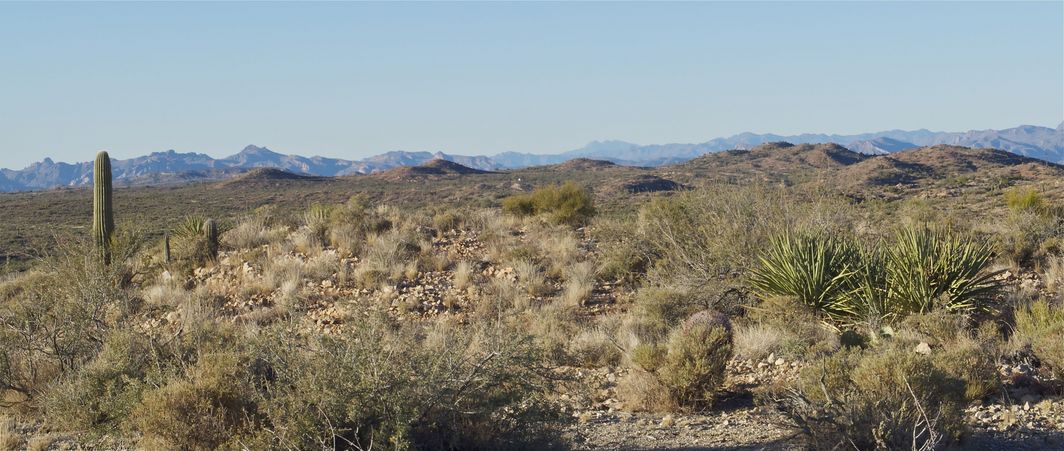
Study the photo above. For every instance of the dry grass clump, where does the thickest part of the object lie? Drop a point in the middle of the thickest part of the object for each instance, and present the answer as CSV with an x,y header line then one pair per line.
x,y
579,284
10,440
1053,275
463,275
756,341
594,346
530,277
255,230
168,291
1039,327
969,355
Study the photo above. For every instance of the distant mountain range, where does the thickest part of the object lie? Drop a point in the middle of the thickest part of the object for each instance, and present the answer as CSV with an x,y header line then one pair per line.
x,y
171,167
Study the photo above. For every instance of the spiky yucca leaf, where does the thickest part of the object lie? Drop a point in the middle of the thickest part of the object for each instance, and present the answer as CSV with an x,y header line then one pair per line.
x,y
869,295
817,271
927,265
190,227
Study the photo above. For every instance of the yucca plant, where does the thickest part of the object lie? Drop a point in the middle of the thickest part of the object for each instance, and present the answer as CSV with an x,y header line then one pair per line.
x,y
869,295
816,270
316,218
926,265
191,226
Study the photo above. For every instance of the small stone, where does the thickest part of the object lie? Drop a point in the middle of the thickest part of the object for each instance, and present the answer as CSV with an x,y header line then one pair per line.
x,y
923,348
667,422
779,362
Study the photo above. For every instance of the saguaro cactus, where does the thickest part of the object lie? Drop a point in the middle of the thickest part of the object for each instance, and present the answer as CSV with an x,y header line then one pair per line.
x,y
166,247
103,223
210,232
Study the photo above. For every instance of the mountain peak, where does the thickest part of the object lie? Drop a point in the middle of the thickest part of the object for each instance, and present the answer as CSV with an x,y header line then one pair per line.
x,y
256,150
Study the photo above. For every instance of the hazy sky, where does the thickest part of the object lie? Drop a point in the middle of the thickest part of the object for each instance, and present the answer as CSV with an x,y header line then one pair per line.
x,y
351,80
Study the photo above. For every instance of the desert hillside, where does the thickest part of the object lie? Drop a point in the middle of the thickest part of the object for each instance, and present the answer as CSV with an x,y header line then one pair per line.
x,y
783,297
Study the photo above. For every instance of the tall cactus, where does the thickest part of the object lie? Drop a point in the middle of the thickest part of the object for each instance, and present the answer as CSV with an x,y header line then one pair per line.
x,y
210,232
166,247
103,223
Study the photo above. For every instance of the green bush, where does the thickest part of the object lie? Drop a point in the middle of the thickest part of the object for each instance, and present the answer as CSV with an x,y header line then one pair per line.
x,y
562,204
1040,326
203,410
54,321
101,394
405,387
969,355
698,353
882,398
1021,199
687,370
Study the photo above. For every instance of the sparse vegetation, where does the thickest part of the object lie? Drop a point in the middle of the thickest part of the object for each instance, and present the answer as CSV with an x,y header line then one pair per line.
x,y
339,322
565,204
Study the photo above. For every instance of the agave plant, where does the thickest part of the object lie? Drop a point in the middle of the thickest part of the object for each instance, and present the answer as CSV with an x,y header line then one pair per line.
x,y
927,265
816,270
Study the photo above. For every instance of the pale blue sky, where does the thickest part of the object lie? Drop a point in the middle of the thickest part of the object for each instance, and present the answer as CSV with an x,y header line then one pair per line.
x,y
351,80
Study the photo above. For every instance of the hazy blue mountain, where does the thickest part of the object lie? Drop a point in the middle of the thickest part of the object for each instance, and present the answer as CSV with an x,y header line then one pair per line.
x,y
173,167
880,146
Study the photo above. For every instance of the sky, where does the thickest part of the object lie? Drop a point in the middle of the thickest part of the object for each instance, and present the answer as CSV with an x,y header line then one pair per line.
x,y
350,80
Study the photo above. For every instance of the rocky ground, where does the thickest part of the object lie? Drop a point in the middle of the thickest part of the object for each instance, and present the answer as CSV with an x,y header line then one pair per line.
x,y
1027,415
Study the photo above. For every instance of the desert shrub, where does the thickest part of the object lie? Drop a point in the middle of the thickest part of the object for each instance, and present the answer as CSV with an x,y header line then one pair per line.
x,y
689,367
930,265
561,204
202,410
1040,326
789,329
446,221
623,256
101,394
10,440
55,320
698,352
815,270
442,388
706,240
1020,199
654,312
881,398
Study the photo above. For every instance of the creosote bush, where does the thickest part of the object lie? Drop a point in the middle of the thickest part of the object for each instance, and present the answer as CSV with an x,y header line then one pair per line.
x,y
561,204
883,398
688,368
